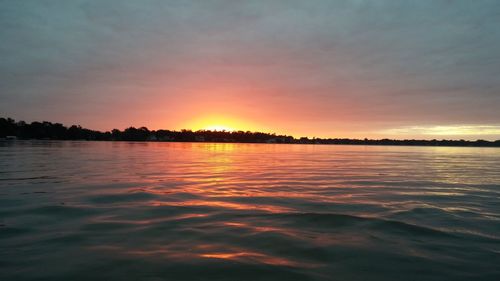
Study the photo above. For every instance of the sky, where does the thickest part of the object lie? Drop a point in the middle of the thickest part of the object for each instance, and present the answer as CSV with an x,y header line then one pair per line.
x,y
382,68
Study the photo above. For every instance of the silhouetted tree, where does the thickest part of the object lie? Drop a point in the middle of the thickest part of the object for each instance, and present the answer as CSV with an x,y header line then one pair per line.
x,y
57,131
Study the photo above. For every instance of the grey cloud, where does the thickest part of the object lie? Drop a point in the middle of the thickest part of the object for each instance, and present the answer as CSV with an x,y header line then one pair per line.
x,y
405,62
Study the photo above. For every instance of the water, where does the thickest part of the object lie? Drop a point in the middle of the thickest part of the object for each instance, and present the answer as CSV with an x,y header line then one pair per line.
x,y
204,211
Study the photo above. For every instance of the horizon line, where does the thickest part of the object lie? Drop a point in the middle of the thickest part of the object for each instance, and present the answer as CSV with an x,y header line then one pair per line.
x,y
274,134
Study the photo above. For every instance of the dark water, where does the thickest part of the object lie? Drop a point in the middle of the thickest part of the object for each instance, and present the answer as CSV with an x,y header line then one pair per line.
x,y
194,211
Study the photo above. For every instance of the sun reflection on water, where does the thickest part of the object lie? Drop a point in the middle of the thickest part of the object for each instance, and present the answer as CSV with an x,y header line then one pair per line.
x,y
257,205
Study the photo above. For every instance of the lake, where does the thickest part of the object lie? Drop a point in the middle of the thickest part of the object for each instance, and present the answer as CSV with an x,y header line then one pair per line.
x,y
223,211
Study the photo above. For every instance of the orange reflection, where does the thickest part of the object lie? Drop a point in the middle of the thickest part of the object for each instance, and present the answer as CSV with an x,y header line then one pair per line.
x,y
227,205
250,256
280,230
188,252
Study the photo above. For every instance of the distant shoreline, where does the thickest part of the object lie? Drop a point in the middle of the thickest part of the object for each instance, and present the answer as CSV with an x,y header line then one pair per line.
x,y
12,130
3,140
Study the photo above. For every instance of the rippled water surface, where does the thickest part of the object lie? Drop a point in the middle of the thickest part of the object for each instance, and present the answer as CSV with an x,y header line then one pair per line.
x,y
204,211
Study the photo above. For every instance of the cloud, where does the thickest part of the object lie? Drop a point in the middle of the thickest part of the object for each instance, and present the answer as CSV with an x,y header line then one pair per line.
x,y
314,67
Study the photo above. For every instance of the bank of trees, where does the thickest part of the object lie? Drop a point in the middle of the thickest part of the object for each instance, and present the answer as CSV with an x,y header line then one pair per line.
x,y
56,131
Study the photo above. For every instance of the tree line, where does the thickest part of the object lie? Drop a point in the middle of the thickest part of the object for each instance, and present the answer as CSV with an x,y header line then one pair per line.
x,y
9,129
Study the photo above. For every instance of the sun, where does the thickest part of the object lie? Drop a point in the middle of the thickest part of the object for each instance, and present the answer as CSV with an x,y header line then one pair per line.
x,y
218,128
220,123
214,123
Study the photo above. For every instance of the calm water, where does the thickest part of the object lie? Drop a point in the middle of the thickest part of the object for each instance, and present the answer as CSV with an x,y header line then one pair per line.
x,y
202,211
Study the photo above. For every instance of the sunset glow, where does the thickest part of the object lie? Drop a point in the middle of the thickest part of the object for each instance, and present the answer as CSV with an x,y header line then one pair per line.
x,y
220,123
219,128
249,140
328,69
